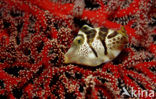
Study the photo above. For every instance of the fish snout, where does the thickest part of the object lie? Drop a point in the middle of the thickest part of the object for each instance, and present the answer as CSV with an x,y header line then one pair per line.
x,y
66,59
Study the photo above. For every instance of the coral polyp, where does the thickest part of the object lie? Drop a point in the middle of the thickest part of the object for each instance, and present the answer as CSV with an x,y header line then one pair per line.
x,y
35,35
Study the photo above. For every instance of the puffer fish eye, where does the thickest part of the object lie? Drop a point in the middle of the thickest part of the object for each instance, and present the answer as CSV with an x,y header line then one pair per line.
x,y
79,40
94,46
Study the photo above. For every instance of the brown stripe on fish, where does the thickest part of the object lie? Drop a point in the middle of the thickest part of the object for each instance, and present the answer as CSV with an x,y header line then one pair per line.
x,y
95,53
90,31
112,35
104,29
103,32
90,34
85,28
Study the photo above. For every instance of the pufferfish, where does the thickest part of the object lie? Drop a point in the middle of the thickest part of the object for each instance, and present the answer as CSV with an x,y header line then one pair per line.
x,y
94,46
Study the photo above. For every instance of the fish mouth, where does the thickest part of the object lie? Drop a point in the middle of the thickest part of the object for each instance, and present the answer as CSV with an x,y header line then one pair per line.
x,y
66,59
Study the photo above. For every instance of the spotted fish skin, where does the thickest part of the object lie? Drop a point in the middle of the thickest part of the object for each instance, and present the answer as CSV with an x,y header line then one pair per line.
x,y
94,46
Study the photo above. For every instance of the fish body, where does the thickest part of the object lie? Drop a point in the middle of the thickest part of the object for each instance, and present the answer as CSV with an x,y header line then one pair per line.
x,y
94,46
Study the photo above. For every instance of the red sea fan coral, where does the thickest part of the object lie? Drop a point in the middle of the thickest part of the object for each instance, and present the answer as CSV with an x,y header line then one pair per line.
x,y
35,34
